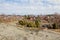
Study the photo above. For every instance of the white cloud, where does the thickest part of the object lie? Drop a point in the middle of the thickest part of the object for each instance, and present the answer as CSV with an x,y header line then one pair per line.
x,y
12,8
34,7
54,1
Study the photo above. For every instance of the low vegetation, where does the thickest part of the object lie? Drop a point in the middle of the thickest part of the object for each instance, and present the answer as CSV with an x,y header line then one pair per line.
x,y
26,23
48,21
22,22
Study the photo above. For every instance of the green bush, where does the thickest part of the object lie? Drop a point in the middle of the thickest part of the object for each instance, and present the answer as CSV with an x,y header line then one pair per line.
x,y
37,23
22,22
28,23
31,24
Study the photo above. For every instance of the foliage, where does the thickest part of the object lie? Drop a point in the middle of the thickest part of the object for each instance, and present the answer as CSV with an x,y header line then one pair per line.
x,y
27,23
37,23
54,26
22,22
31,24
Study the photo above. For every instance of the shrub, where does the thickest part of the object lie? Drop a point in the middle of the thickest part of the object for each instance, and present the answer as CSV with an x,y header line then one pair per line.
x,y
22,22
26,23
54,26
31,24
37,23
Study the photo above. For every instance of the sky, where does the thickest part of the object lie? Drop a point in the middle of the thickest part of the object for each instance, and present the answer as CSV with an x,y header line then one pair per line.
x,y
24,7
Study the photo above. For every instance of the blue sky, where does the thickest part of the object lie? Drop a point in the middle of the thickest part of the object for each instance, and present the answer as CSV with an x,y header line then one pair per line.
x,y
35,7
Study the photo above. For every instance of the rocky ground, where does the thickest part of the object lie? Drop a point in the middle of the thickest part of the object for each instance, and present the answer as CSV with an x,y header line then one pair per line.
x,y
11,32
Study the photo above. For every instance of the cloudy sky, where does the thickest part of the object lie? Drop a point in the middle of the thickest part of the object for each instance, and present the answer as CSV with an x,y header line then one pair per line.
x,y
29,6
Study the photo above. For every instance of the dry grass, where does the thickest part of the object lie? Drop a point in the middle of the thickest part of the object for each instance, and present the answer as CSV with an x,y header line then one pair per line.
x,y
56,30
